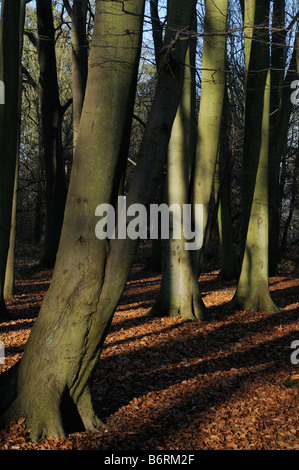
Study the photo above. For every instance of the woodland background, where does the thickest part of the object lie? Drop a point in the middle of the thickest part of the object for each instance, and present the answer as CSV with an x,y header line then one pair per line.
x,y
164,382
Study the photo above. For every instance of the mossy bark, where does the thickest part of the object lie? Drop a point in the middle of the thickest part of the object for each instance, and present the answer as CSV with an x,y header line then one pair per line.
x,y
10,265
67,336
90,274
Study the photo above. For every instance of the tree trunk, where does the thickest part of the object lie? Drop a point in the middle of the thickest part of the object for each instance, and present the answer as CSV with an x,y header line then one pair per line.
x,y
10,264
51,131
179,294
90,274
10,59
79,59
211,103
253,287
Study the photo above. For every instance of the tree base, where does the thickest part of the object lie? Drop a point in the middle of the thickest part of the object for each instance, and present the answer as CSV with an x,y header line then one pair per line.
x,y
194,309
253,302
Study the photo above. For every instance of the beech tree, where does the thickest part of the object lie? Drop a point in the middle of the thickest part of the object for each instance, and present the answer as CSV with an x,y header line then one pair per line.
x,y
191,167
211,105
253,286
90,274
50,385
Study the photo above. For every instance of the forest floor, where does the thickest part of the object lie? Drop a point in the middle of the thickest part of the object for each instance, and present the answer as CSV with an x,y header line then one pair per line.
x,y
172,384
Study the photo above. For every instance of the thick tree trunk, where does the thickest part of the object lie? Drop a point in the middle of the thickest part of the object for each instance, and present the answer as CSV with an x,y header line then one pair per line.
x,y
253,287
66,339
10,57
74,320
51,131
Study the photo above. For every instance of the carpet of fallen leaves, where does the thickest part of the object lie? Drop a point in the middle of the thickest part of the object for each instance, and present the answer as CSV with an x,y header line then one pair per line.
x,y
172,384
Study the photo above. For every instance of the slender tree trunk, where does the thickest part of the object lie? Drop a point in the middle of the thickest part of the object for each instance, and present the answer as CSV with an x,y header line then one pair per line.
x,y
10,58
253,287
10,264
65,341
211,104
51,127
78,14
278,65
157,31
154,147
179,294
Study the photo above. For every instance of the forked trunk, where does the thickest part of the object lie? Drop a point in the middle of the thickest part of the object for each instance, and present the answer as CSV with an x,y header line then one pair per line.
x,y
67,336
90,274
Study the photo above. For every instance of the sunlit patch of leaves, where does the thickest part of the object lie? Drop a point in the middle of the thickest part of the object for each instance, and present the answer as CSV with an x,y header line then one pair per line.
x,y
173,384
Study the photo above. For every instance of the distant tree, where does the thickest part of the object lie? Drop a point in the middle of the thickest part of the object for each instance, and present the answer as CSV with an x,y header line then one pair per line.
x,y
223,190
